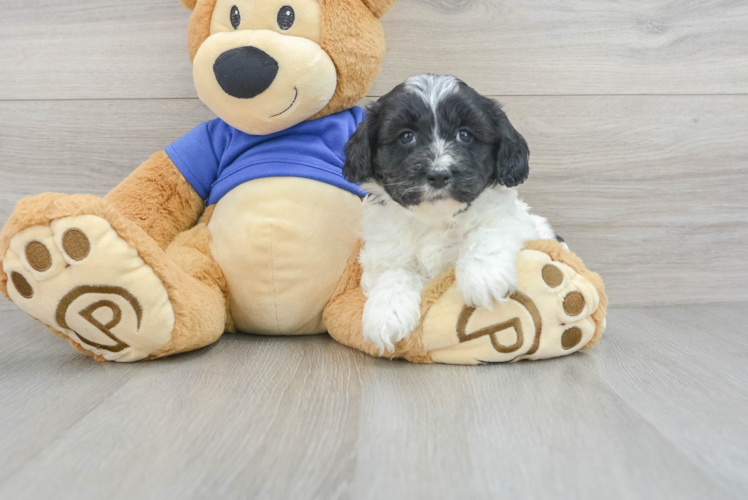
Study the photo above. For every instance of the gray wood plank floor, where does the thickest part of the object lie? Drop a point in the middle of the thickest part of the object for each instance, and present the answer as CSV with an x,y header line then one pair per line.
x,y
636,113
657,410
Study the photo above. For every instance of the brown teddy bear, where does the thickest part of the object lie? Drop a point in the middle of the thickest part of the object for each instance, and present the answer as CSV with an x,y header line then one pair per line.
x,y
149,271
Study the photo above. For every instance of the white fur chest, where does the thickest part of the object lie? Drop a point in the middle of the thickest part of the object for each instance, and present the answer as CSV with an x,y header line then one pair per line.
x,y
427,240
437,246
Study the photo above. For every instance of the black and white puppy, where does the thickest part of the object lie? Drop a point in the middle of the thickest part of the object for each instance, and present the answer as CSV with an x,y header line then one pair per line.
x,y
439,162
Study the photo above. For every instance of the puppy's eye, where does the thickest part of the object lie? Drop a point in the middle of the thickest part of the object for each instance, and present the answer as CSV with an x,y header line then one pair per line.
x,y
236,17
286,17
407,138
464,136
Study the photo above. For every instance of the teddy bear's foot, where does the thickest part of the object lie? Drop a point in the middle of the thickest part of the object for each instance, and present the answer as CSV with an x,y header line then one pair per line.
x,y
558,309
78,276
96,278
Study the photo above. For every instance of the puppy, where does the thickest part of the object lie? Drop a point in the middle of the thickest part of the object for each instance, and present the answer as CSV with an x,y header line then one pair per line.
x,y
439,163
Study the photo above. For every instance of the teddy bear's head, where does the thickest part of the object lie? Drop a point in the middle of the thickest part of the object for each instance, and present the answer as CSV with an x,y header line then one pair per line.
x,y
266,65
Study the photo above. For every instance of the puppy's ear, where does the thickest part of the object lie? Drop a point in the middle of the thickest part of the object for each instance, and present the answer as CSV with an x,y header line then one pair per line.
x,y
190,4
513,154
359,150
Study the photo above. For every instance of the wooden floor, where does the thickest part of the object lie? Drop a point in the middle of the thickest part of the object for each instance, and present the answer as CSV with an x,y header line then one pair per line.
x,y
637,117
657,410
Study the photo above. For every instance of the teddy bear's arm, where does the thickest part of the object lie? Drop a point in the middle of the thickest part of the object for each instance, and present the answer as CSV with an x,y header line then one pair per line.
x,y
158,198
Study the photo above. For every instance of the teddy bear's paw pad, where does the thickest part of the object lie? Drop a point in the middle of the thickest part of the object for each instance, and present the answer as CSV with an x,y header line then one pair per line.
x,y
80,277
579,298
565,301
548,316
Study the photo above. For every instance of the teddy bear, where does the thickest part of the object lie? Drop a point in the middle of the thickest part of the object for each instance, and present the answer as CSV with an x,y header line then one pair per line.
x,y
246,224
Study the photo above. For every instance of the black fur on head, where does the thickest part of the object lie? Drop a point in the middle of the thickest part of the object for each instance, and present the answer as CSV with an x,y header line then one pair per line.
x,y
434,138
513,155
360,148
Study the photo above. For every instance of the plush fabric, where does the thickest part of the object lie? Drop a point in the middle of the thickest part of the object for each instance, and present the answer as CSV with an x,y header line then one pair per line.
x,y
198,300
199,28
283,243
269,81
158,198
351,35
215,157
559,254
104,295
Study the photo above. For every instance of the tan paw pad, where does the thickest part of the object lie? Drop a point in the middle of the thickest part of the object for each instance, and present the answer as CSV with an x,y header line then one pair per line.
x,y
22,285
37,253
38,256
81,278
552,275
548,316
76,244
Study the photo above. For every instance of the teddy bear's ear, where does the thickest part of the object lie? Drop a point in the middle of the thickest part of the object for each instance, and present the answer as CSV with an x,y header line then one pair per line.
x,y
377,7
190,4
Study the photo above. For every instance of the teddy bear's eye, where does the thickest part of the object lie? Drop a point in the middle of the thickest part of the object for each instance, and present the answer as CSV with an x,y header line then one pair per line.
x,y
286,17
236,17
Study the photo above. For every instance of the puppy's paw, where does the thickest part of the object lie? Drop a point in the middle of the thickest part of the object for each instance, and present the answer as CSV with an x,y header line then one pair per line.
x,y
390,318
482,285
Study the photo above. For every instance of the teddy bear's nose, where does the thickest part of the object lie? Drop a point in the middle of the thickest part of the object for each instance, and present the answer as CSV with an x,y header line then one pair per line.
x,y
245,72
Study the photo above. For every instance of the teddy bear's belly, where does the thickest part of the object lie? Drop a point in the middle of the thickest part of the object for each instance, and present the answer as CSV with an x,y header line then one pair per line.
x,y
283,243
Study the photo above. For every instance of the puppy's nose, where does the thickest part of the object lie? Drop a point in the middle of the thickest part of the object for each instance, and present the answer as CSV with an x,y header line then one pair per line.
x,y
245,72
438,179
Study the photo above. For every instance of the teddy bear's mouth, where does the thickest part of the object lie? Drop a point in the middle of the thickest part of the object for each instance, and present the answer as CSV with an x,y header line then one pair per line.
x,y
295,97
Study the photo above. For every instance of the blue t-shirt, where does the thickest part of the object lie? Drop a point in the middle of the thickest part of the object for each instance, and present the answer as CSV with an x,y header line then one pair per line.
x,y
215,157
